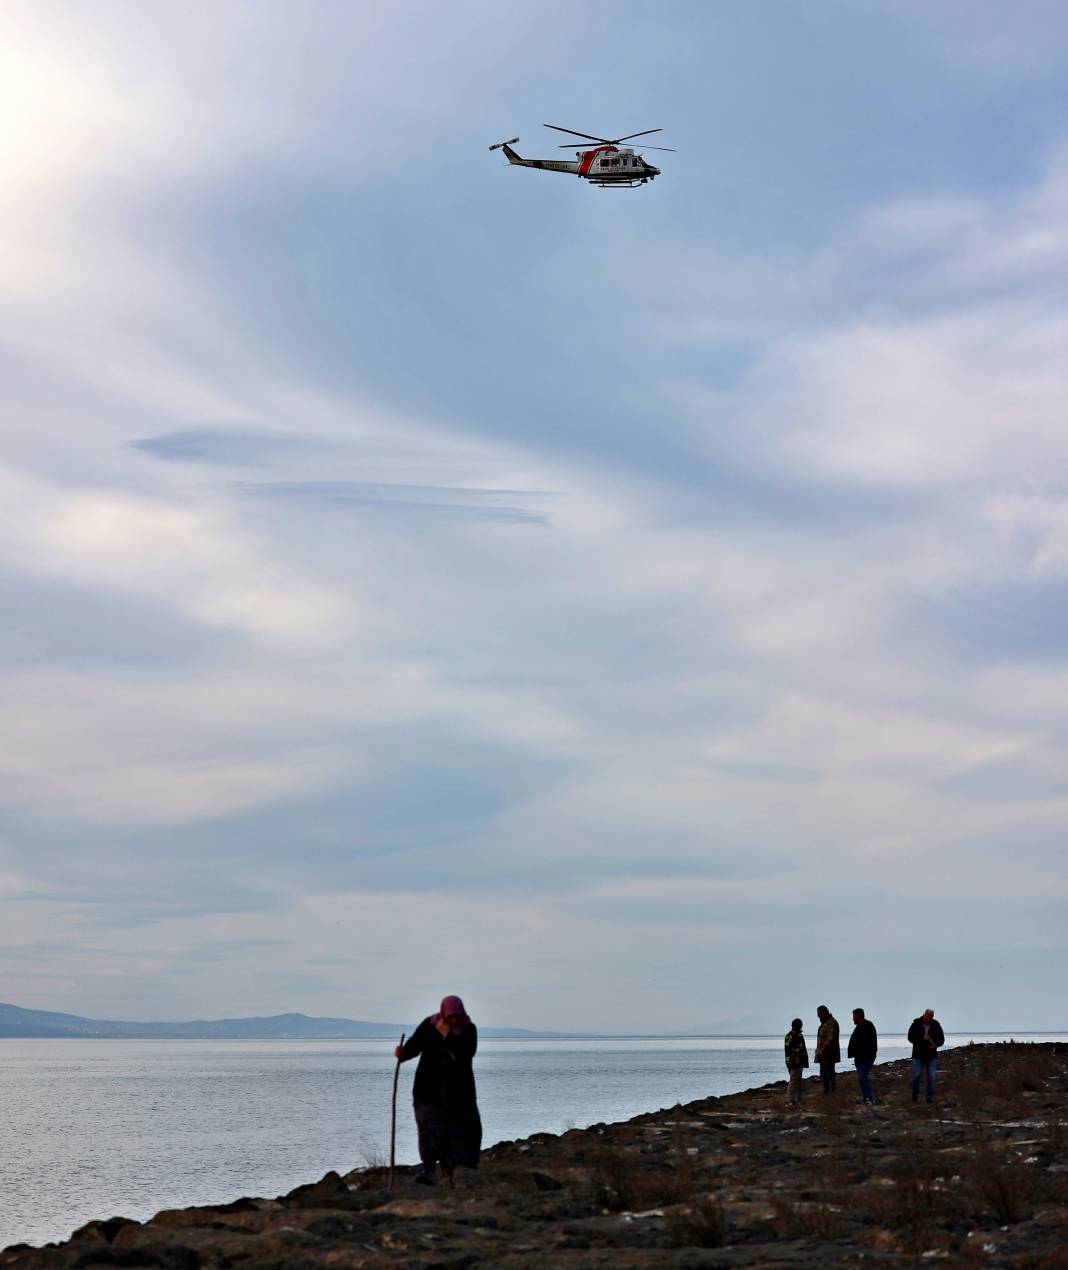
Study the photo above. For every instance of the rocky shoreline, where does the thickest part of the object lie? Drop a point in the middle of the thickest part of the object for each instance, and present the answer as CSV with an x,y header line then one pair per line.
x,y
980,1178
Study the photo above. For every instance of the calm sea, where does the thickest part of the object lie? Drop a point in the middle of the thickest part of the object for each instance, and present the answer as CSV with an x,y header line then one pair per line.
x,y
98,1128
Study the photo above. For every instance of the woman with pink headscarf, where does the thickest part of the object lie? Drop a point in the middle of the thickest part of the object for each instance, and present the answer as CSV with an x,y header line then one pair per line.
x,y
446,1111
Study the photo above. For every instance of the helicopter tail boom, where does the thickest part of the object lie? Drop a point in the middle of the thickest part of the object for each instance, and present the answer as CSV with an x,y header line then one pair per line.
x,y
548,165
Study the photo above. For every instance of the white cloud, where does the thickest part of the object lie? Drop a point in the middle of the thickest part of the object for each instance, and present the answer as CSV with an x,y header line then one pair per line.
x,y
125,750
188,559
1032,522
915,404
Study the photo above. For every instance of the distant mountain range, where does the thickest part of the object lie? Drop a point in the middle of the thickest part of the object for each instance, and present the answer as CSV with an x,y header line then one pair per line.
x,y
15,1021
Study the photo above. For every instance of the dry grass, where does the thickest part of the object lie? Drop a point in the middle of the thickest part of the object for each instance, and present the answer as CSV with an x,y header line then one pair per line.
x,y
921,1205
1008,1190
1054,1146
835,1177
800,1220
913,1202
969,1255
622,1186
622,1178
832,1110
374,1155
702,1223
997,1078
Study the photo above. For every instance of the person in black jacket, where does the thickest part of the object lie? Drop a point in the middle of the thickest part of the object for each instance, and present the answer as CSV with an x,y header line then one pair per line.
x,y
446,1110
863,1047
925,1036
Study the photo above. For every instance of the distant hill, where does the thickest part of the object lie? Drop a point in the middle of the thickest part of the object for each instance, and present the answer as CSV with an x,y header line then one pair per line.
x,y
15,1021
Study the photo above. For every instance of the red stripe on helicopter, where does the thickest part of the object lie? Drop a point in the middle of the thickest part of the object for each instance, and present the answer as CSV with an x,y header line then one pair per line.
x,y
588,157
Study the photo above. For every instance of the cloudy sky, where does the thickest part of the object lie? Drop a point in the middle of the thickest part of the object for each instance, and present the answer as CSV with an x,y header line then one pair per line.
x,y
634,610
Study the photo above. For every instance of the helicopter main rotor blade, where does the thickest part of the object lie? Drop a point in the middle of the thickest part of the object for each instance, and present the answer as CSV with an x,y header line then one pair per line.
x,y
669,149
587,135
631,135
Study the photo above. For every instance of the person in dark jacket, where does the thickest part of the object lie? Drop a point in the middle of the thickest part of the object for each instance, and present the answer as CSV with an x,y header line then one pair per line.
x,y
863,1047
796,1061
828,1049
925,1037
446,1110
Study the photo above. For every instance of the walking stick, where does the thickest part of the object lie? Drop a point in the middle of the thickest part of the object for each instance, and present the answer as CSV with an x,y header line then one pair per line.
x,y
393,1121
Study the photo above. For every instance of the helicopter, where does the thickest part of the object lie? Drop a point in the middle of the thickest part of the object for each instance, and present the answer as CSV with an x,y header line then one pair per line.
x,y
605,165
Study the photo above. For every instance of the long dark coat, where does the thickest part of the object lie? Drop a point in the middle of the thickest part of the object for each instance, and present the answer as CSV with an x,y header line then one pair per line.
x,y
446,1109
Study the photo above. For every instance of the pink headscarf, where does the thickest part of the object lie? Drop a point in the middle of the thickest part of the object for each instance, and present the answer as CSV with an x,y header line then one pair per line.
x,y
452,1005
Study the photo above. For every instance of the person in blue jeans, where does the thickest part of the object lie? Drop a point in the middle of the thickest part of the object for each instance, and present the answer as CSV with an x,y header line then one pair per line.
x,y
925,1037
863,1047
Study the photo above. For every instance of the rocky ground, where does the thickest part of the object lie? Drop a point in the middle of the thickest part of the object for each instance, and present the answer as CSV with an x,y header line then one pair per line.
x,y
978,1179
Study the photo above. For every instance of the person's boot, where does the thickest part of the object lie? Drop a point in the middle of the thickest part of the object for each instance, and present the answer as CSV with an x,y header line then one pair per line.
x,y
425,1176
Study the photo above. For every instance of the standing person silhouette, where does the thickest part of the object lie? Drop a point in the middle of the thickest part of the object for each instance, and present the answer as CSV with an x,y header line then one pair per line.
x,y
796,1061
446,1110
863,1047
925,1037
828,1050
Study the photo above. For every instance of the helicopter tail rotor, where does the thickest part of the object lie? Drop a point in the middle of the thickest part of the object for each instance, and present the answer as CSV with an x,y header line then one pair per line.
x,y
510,142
